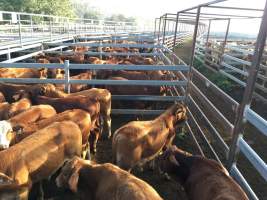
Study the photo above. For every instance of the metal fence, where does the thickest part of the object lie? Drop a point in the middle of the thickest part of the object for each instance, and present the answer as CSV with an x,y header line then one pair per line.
x,y
18,28
203,108
143,40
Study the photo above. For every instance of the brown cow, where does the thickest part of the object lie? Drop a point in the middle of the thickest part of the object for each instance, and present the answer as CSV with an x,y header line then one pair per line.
x,y
9,110
18,107
76,87
77,102
37,157
2,98
137,142
80,117
9,90
103,96
9,129
103,181
202,178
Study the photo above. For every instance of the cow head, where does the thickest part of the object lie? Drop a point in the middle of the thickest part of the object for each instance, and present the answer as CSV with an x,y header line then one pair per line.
x,y
175,162
69,175
6,134
179,112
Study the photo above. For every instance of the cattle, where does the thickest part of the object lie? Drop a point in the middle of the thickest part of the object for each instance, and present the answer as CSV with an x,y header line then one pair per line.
x,y
2,97
9,90
202,178
77,87
138,142
77,102
22,73
103,181
4,107
37,157
103,96
9,110
9,129
80,117
18,107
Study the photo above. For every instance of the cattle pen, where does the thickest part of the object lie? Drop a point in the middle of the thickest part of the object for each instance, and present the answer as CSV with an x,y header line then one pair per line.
x,y
216,121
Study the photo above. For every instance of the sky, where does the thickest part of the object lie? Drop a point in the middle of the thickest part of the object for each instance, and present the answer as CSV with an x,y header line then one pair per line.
x,y
147,10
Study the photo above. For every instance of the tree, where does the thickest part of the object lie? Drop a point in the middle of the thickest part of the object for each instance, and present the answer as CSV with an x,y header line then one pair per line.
x,y
120,17
48,7
84,10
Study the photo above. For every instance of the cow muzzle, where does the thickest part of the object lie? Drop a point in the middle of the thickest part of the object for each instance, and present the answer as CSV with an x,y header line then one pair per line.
x,y
5,128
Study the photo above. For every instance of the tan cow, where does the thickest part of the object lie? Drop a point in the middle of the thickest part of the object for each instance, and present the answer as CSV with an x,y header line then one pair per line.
x,y
202,178
103,181
9,110
9,129
80,117
37,157
138,142
103,96
2,97
18,107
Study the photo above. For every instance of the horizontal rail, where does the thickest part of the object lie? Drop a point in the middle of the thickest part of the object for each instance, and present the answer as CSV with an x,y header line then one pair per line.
x,y
234,69
215,112
104,53
256,120
130,67
136,112
129,82
253,157
32,80
104,45
98,66
147,98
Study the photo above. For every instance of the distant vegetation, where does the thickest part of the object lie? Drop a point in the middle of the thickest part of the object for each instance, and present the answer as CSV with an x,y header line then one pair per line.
x,y
49,7
65,8
218,79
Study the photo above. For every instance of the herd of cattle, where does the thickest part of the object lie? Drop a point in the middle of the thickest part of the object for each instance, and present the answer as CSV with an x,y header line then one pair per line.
x,y
45,131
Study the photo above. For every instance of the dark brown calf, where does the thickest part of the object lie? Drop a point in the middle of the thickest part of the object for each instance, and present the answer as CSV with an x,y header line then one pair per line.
x,y
202,178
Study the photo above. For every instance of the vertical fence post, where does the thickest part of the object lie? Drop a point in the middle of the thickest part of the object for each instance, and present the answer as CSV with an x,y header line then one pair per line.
x,y
189,76
208,33
8,54
225,41
159,30
51,31
67,75
20,33
155,27
175,30
164,28
31,25
247,97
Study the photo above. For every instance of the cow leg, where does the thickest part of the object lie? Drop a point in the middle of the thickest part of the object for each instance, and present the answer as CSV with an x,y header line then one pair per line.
x,y
24,194
86,152
107,126
95,141
40,195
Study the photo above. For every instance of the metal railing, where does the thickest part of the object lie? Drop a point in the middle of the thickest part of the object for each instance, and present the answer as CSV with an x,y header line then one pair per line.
x,y
205,114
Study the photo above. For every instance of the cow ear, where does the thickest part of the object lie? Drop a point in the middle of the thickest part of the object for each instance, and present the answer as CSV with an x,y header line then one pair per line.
x,y
173,160
73,181
16,97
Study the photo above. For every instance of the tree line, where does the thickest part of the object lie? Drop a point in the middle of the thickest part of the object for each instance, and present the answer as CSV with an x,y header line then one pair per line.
x,y
65,8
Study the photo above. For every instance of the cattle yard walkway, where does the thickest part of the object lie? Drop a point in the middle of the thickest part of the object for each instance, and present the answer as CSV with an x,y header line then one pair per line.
x,y
213,133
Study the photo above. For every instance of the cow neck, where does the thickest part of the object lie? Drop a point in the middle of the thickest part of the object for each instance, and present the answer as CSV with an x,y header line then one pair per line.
x,y
89,178
186,162
167,118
